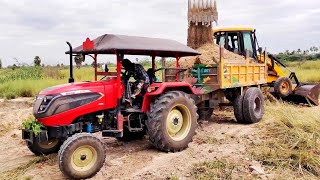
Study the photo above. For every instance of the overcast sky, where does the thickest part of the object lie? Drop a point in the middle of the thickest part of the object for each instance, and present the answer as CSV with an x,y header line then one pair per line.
x,y
41,27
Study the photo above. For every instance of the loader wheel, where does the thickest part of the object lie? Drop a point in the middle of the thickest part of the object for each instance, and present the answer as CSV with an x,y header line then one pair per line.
x,y
253,106
172,121
44,148
81,156
283,87
238,109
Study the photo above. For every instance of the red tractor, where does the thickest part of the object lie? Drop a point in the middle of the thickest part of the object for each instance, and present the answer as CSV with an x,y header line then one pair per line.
x,y
166,111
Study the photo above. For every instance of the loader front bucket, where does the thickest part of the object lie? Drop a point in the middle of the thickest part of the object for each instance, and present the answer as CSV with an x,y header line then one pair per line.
x,y
306,93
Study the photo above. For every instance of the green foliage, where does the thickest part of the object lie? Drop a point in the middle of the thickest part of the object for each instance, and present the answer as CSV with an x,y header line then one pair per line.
x,y
78,60
0,64
21,74
307,71
32,124
37,61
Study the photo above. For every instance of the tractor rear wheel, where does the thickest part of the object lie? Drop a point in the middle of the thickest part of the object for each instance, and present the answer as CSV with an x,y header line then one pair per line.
x,y
253,106
283,87
172,121
44,148
81,156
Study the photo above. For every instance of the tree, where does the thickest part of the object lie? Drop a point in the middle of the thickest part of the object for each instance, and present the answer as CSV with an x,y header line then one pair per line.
x,y
315,49
0,64
287,52
299,51
37,61
79,59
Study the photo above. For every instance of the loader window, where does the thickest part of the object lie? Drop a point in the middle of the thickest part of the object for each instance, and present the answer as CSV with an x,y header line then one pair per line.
x,y
232,43
247,41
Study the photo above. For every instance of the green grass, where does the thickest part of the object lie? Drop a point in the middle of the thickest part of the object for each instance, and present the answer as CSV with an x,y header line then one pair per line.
x,y
307,71
291,139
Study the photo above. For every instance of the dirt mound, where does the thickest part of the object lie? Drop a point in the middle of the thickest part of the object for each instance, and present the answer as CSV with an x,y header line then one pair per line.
x,y
210,54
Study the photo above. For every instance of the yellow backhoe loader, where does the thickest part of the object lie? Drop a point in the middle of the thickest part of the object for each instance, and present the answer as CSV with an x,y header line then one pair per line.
x,y
243,41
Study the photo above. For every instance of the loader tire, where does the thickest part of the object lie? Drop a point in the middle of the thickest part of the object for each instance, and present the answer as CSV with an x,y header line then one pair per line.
x,y
44,148
238,109
81,156
253,106
283,87
172,121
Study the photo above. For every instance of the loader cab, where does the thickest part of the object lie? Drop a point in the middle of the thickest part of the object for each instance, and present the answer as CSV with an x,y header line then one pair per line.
x,y
237,40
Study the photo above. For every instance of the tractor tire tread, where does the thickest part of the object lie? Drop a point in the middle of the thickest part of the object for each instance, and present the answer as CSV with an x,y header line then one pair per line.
x,y
63,154
156,116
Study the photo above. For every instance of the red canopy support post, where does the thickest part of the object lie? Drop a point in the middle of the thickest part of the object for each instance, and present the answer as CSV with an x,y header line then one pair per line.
x,y
119,116
95,67
119,68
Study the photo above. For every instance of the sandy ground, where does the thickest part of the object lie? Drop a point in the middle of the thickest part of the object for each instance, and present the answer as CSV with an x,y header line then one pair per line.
x,y
216,139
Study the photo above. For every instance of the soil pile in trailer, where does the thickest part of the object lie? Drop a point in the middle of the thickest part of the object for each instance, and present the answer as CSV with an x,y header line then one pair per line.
x,y
210,54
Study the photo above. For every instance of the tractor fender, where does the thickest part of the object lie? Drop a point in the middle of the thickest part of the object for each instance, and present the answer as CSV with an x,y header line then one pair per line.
x,y
162,88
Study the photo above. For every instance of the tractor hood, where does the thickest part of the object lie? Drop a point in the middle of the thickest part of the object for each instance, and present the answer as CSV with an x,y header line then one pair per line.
x,y
81,87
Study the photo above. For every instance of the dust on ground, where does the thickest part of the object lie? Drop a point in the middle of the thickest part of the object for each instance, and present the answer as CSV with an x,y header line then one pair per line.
x,y
220,138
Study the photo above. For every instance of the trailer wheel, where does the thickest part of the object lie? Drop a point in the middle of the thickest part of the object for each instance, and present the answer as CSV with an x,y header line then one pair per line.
x,y
81,156
283,87
172,121
44,148
238,109
253,106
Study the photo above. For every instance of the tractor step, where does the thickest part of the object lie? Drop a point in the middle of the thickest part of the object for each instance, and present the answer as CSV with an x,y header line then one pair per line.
x,y
135,129
132,110
112,133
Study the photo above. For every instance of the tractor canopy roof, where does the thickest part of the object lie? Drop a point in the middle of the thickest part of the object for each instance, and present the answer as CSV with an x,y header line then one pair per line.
x,y
133,45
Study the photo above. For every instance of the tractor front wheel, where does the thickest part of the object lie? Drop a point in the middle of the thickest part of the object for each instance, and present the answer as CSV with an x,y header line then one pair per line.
x,y
172,121
81,156
44,148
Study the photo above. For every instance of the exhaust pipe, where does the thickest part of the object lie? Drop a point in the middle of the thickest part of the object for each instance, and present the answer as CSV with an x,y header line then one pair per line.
x,y
71,79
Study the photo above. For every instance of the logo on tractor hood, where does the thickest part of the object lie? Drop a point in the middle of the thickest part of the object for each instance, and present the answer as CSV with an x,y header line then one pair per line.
x,y
74,92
